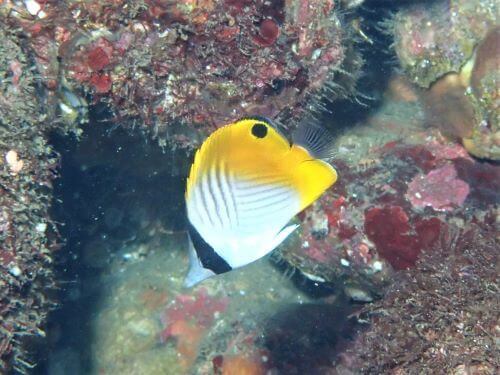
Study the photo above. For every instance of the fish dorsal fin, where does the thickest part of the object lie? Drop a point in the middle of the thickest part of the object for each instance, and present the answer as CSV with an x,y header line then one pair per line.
x,y
315,138
313,145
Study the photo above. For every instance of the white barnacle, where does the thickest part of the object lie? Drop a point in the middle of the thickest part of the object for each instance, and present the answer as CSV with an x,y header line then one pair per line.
x,y
15,271
34,8
344,262
41,227
15,164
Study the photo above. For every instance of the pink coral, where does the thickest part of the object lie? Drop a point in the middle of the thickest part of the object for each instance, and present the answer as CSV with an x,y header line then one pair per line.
x,y
439,189
447,151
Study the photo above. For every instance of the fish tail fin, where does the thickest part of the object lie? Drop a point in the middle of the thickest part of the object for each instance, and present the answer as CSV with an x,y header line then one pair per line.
x,y
197,272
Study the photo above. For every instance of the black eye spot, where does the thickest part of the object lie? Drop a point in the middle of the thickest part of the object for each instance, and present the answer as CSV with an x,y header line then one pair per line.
x,y
259,130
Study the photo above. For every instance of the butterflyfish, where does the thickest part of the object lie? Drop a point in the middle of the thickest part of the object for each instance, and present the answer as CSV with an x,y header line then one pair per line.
x,y
246,183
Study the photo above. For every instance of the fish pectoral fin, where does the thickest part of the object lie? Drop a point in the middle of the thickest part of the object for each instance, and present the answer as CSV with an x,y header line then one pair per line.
x,y
197,272
282,235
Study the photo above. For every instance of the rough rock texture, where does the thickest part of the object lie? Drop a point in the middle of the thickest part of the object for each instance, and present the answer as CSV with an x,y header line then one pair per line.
x,y
433,40
400,185
451,49
439,189
27,234
441,317
484,142
175,69
181,69
357,233
465,105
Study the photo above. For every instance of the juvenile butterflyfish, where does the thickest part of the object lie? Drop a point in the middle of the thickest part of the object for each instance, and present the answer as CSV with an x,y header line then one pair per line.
x,y
246,183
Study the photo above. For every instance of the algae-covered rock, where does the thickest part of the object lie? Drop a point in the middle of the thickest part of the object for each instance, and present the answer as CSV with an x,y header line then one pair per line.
x,y
433,40
484,141
147,323
441,317
465,105
27,234
179,70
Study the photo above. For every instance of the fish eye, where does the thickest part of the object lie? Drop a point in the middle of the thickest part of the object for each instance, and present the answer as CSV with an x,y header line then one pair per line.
x,y
259,130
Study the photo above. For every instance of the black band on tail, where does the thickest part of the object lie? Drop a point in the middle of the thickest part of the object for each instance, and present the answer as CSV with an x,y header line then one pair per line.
x,y
208,257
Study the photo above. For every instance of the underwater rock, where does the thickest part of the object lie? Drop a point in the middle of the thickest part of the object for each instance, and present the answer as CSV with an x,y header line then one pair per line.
x,y
399,240
451,50
187,318
440,317
330,247
179,70
484,81
483,179
433,40
28,235
241,365
448,107
148,323
465,106
291,338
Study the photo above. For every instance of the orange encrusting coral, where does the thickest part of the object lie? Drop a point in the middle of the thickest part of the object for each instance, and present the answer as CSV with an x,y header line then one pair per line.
x,y
187,319
188,337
